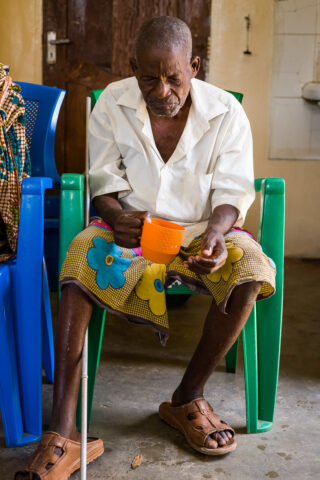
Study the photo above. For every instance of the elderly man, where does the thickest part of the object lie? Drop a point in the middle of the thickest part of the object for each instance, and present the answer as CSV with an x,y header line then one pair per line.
x,y
165,144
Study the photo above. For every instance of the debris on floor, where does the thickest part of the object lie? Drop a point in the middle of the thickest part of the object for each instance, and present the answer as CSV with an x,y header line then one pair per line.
x,y
136,462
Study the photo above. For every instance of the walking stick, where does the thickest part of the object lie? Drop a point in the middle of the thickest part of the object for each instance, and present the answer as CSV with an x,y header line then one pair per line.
x,y
84,367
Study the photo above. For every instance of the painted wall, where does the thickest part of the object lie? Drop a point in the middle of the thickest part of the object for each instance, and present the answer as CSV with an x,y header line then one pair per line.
x,y
21,38
295,62
229,68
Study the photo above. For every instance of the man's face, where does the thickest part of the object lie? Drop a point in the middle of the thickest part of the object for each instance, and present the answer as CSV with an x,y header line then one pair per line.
x,y
164,77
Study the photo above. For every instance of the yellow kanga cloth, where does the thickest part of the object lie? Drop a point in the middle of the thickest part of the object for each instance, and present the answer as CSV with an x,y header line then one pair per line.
x,y
123,282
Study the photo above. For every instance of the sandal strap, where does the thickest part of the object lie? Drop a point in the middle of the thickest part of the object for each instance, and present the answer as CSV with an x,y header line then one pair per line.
x,y
202,421
45,453
62,466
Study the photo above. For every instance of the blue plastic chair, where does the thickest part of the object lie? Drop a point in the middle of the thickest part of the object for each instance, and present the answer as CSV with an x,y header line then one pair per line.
x,y
26,338
44,166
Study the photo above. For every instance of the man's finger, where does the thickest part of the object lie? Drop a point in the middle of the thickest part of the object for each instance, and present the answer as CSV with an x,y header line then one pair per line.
x,y
130,221
140,214
131,230
205,262
205,266
207,251
126,242
196,267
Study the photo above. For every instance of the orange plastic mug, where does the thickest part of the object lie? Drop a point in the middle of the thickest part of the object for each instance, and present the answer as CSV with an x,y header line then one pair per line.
x,y
161,240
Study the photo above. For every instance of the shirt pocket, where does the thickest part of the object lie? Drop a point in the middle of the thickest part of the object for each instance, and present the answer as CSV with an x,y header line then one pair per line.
x,y
196,195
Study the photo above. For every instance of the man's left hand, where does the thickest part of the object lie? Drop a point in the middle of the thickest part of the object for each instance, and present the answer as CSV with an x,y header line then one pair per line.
x,y
213,254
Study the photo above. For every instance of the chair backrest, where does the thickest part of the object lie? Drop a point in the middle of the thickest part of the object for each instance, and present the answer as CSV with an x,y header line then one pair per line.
x,y
42,110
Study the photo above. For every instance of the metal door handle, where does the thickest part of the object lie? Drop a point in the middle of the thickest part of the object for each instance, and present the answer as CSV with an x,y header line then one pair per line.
x,y
60,41
52,41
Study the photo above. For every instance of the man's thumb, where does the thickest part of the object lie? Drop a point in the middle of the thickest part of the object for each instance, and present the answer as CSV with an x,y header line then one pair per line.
x,y
206,251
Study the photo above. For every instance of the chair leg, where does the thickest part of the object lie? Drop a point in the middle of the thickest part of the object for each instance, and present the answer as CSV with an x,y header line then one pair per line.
x,y
10,406
47,333
28,341
250,359
96,328
232,357
261,346
269,324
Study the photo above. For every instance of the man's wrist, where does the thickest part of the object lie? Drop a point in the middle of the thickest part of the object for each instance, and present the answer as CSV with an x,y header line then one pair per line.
x,y
215,229
108,208
222,219
111,216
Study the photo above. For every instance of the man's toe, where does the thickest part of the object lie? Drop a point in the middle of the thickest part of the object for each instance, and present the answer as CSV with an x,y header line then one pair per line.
x,y
224,436
219,439
211,443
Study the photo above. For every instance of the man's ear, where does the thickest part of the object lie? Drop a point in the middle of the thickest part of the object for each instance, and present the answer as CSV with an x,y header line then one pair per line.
x,y
195,65
134,66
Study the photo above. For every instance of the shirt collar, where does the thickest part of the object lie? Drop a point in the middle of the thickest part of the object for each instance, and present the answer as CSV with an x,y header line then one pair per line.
x,y
205,103
132,96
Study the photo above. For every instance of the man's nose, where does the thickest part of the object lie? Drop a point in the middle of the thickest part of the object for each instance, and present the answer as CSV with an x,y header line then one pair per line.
x,y
162,89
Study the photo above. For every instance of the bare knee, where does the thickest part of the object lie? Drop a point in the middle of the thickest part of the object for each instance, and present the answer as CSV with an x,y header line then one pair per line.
x,y
244,294
73,291
75,303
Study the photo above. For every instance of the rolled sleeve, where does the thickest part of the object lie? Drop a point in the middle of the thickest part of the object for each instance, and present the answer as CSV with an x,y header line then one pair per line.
x,y
107,173
233,178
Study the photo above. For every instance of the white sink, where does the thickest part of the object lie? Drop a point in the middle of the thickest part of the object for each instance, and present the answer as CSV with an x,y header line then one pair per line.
x,y
311,91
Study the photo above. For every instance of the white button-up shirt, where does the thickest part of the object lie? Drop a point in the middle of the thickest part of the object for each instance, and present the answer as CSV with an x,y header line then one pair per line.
x,y
211,165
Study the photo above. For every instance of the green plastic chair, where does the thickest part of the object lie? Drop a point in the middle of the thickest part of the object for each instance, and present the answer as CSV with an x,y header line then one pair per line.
x,y
261,336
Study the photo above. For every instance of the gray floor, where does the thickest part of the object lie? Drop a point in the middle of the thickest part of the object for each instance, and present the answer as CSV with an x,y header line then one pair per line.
x,y
136,374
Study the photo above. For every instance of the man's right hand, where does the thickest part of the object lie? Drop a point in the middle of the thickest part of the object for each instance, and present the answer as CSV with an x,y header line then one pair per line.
x,y
128,228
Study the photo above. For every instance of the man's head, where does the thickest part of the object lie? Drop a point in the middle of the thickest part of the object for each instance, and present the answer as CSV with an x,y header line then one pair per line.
x,y
164,65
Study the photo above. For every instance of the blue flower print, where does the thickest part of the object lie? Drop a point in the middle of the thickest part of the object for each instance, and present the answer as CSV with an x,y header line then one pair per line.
x,y
271,262
105,258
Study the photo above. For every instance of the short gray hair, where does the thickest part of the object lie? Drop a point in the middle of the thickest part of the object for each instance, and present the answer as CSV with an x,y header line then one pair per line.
x,y
164,32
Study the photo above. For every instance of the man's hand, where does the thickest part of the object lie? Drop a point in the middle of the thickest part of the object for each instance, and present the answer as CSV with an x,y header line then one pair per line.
x,y
127,224
213,254
128,228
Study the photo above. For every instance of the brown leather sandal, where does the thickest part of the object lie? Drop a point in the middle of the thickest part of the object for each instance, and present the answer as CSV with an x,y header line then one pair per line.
x,y
46,464
196,420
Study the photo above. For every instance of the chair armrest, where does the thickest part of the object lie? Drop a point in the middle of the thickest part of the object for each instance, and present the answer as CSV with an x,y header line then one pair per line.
x,y
35,186
31,230
71,211
272,219
31,221
72,181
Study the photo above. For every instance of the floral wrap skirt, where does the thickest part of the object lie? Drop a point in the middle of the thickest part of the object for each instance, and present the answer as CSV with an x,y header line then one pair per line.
x,y
123,282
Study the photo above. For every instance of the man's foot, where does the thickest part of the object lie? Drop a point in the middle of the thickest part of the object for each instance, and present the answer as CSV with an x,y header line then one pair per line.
x,y
56,458
202,428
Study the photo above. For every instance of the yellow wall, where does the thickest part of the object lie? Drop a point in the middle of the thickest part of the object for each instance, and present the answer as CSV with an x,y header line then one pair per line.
x,y
20,38
229,68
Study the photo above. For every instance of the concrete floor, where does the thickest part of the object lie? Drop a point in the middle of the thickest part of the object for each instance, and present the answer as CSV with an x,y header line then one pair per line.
x,y
136,374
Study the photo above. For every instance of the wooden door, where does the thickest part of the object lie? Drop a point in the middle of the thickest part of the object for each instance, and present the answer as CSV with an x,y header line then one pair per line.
x,y
101,39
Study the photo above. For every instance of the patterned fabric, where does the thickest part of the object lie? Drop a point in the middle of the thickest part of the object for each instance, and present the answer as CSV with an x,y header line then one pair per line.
x,y
14,162
123,282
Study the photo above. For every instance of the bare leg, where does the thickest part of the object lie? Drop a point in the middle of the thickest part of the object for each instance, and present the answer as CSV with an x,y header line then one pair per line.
x,y
219,333
74,316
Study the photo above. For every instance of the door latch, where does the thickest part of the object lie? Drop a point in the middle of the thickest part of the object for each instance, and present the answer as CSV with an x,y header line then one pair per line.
x,y
52,41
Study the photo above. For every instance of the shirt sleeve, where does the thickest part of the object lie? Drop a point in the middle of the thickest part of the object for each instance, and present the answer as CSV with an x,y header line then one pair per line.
x,y
233,178
107,173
